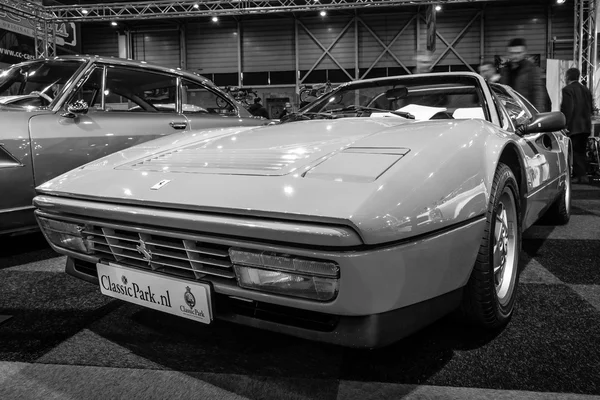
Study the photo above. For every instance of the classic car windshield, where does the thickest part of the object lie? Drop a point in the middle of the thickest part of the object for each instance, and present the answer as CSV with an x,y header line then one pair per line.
x,y
421,98
37,83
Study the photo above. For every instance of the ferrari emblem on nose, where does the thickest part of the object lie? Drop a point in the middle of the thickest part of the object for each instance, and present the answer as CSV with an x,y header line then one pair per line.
x,y
160,184
144,251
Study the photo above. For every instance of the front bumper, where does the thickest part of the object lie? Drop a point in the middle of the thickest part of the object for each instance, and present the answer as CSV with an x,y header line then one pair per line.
x,y
415,281
368,331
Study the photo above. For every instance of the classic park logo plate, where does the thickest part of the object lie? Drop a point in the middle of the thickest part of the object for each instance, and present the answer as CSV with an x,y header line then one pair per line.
x,y
172,295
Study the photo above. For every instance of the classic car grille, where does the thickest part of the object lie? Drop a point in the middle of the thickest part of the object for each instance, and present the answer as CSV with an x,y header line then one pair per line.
x,y
180,257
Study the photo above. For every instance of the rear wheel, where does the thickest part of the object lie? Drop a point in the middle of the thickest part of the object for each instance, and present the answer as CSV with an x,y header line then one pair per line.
x,y
489,296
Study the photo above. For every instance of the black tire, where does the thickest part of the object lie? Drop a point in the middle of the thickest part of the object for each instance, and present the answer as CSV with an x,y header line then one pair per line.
x,y
559,212
487,303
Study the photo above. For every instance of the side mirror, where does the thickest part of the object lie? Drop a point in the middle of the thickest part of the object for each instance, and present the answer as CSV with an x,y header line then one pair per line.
x,y
74,109
544,122
396,93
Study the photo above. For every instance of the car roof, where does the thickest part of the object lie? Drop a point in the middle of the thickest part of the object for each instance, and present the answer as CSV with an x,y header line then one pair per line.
x,y
130,63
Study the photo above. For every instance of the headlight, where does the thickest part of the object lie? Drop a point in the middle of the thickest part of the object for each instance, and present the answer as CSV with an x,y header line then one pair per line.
x,y
65,234
286,275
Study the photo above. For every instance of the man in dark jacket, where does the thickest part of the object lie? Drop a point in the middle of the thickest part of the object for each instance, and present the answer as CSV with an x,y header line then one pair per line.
x,y
524,76
578,106
257,109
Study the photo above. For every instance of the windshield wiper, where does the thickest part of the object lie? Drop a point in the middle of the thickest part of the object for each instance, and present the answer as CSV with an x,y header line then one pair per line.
x,y
291,117
354,107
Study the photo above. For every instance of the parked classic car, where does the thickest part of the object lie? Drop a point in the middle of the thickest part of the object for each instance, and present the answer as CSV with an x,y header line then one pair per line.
x,y
385,205
60,113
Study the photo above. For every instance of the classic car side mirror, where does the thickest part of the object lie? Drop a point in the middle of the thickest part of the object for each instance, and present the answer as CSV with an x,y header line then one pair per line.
x,y
396,93
544,122
76,108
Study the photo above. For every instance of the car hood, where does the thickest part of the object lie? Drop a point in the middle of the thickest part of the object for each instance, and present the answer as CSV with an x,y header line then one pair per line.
x,y
339,171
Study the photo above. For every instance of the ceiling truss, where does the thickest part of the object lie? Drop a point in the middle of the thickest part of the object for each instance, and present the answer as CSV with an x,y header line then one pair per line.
x,y
196,8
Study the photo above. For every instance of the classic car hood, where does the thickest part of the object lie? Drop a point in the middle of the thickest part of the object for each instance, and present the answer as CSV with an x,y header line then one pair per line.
x,y
339,171
274,150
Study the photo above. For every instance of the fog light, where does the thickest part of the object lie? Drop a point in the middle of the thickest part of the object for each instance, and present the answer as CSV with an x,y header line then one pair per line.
x,y
65,234
280,282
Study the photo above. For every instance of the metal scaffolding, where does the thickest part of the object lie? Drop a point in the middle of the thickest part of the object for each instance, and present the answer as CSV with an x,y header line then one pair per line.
x,y
196,8
584,49
40,21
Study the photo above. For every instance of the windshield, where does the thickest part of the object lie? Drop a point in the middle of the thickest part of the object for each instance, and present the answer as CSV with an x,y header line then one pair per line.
x,y
420,98
36,84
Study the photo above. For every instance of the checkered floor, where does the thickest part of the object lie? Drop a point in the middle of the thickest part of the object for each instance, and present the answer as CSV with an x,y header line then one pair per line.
x,y
66,341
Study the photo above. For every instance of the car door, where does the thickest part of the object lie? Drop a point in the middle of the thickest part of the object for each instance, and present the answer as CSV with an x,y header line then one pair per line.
x,y
206,107
543,161
125,106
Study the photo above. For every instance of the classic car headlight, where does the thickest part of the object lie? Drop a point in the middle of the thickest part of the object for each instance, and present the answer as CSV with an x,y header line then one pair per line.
x,y
65,234
287,275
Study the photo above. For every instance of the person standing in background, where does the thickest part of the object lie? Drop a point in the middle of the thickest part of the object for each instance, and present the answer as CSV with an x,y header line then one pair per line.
x,y
524,76
488,70
577,106
287,109
257,109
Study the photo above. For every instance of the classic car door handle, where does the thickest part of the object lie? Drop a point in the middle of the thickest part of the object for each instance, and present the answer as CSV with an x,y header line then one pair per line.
x,y
178,125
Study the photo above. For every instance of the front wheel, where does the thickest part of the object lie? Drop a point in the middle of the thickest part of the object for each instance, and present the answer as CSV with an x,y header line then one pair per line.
x,y
559,212
489,296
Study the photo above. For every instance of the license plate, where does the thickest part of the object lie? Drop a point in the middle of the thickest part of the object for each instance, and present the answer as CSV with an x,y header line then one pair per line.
x,y
172,295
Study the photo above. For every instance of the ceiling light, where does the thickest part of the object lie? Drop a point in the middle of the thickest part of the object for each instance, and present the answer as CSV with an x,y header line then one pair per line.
x,y
84,11
196,6
113,23
560,1
323,13
438,8
215,19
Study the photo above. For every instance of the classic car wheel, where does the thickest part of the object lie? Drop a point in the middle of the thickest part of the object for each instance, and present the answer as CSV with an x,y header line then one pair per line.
x,y
560,212
489,296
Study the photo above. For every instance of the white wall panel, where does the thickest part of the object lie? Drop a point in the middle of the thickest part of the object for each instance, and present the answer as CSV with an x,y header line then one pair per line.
x,y
160,47
386,27
326,30
212,48
504,23
99,39
449,24
562,23
268,45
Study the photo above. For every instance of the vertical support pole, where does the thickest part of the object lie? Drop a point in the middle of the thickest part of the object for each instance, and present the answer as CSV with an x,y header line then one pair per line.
x,y
549,47
183,46
430,20
239,54
418,28
482,35
591,44
45,28
297,51
122,42
356,71
579,25
129,40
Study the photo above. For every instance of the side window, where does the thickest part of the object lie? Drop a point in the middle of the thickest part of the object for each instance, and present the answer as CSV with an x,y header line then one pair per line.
x,y
505,122
517,113
133,90
91,90
198,99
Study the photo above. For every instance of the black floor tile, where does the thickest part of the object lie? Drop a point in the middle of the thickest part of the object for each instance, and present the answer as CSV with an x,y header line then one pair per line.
x,y
184,345
552,344
571,261
47,308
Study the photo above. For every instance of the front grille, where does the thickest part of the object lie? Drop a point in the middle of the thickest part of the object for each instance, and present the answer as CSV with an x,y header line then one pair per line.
x,y
185,258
